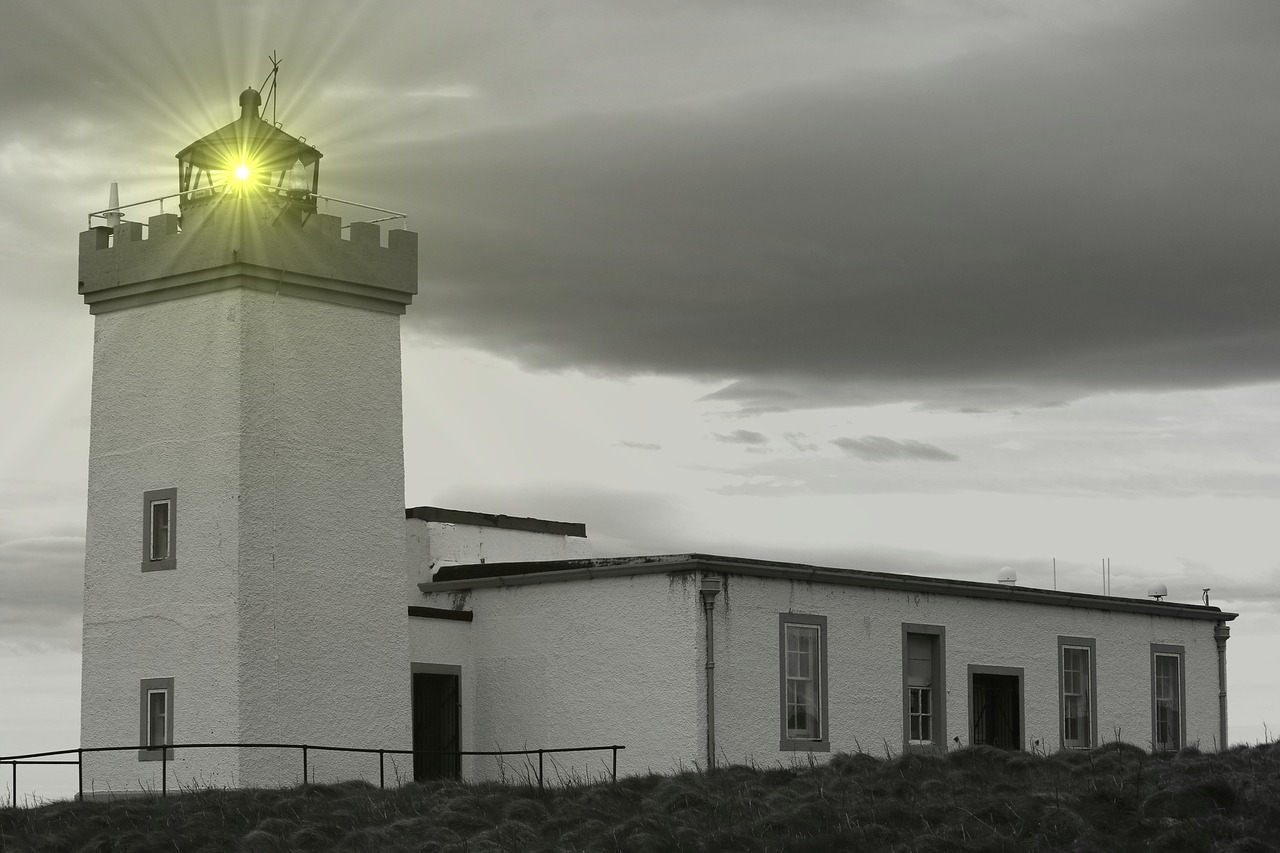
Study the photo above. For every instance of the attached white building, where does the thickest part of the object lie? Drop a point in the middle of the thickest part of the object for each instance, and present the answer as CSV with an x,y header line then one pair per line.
x,y
248,558
806,660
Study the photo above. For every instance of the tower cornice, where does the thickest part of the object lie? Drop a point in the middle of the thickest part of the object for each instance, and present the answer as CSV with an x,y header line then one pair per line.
x,y
246,243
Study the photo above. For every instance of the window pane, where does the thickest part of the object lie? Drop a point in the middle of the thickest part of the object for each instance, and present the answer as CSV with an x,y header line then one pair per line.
x,y
802,688
1168,702
157,724
1076,730
920,723
159,530
920,660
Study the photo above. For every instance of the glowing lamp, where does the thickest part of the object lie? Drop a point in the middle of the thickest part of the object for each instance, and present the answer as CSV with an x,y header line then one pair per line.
x,y
250,156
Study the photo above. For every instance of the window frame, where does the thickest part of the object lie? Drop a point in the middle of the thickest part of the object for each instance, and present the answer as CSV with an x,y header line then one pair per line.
x,y
1090,645
1159,650
938,690
146,688
786,742
150,498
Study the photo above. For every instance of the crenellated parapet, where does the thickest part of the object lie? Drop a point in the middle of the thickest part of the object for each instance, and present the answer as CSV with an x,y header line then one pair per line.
x,y
248,243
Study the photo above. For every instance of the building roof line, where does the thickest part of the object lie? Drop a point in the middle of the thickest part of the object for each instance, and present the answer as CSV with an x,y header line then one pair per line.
x,y
505,522
484,575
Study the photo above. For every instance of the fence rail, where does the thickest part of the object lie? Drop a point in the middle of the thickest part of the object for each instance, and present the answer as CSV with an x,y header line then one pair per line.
x,y
168,751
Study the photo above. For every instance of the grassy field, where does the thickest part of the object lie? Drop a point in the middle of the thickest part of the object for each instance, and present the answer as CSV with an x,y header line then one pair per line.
x,y
1114,798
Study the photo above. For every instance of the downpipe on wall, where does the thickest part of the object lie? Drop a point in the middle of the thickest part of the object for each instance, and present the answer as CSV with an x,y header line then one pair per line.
x,y
709,590
1221,633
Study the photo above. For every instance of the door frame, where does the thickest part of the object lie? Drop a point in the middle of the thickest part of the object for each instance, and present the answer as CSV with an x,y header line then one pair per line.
x,y
1009,671
435,669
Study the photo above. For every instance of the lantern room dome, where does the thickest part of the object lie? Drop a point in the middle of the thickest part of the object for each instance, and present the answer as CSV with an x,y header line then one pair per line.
x,y
249,153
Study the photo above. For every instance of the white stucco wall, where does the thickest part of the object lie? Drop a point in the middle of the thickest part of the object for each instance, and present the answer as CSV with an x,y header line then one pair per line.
x,y
430,544
278,420
592,663
558,663
323,625
165,413
864,649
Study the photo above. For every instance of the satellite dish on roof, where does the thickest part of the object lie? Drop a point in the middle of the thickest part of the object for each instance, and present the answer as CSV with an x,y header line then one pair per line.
x,y
1157,591
1007,576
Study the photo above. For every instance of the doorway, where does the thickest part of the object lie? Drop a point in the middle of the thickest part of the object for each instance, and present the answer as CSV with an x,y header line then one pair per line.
x,y
435,726
995,706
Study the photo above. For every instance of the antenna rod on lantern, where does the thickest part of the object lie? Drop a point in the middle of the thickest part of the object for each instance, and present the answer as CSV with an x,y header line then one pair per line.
x,y
271,77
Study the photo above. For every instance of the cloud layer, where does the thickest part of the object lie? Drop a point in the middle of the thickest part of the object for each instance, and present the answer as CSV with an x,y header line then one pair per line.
x,y
974,207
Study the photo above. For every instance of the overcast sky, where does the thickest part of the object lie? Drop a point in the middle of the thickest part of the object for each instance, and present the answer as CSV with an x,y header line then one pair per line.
x,y
932,287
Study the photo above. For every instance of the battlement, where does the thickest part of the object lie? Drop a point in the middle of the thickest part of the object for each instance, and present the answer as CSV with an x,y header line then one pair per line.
x,y
246,242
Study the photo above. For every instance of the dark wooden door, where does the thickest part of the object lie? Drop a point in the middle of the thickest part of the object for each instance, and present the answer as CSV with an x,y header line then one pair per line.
x,y
997,711
435,726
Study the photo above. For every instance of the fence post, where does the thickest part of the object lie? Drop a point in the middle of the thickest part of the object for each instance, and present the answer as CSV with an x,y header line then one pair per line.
x,y
539,770
80,772
304,764
382,776
15,784
615,763
164,771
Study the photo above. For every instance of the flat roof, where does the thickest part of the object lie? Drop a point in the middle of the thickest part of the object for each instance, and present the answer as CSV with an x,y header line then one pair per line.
x,y
482,575
504,522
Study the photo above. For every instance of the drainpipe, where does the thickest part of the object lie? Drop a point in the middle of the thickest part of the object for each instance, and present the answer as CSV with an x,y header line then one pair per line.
x,y
710,589
1220,634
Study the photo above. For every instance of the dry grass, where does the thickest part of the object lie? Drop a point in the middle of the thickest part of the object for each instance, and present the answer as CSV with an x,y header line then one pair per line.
x,y
1114,798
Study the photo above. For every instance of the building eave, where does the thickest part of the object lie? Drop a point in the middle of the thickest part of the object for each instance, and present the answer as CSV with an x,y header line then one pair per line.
x,y
489,575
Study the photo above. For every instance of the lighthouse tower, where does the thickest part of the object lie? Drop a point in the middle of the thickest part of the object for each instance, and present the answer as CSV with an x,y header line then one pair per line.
x,y
245,565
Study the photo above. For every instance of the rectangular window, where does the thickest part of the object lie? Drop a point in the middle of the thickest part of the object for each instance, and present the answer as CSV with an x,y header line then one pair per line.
x,y
155,725
802,644
1168,726
159,530
923,685
1077,683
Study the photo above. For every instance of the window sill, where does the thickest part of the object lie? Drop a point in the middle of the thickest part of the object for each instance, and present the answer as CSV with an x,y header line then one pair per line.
x,y
924,747
154,755
159,565
788,745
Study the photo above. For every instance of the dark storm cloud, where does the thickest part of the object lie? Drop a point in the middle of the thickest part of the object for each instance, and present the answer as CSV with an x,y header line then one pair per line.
x,y
742,436
971,206
878,448
1032,224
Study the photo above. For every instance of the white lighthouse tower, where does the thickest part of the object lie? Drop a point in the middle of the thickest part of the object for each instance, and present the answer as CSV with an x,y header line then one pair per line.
x,y
245,566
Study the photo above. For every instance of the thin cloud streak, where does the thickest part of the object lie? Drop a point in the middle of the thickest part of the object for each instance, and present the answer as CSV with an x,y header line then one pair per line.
x,y
878,448
742,436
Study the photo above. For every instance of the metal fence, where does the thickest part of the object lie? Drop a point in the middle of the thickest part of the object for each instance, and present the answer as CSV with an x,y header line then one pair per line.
x,y
166,755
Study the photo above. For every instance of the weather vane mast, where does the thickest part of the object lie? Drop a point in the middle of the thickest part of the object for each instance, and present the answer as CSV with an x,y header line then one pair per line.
x,y
271,77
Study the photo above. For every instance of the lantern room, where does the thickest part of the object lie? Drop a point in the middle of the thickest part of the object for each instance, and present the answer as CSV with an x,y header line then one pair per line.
x,y
249,157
